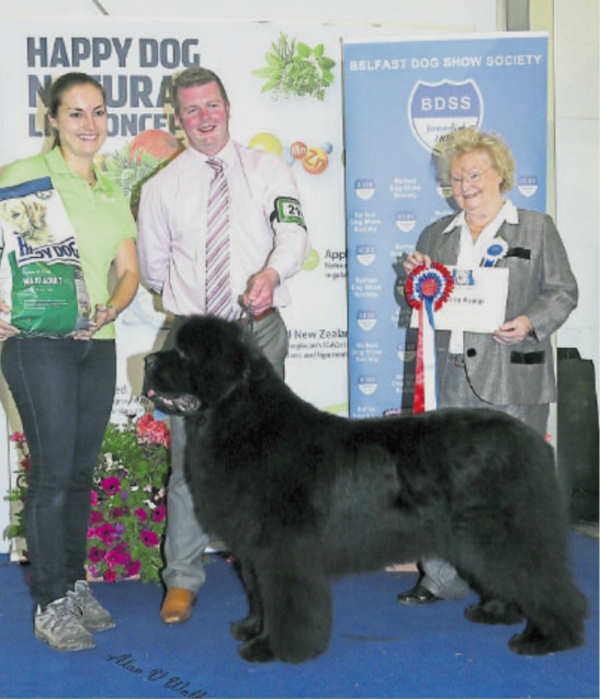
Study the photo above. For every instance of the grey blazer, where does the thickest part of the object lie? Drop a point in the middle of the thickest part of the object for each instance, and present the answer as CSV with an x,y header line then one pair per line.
x,y
541,286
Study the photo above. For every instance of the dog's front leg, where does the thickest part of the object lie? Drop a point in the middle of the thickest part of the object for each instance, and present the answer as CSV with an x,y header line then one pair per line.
x,y
252,625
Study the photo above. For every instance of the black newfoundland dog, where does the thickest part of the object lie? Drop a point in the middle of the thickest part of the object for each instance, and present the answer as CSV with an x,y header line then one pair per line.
x,y
301,496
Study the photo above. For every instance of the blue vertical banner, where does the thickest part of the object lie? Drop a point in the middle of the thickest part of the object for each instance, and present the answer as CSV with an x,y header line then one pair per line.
x,y
400,98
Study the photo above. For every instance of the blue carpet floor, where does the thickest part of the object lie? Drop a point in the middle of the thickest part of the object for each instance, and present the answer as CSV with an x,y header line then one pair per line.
x,y
378,648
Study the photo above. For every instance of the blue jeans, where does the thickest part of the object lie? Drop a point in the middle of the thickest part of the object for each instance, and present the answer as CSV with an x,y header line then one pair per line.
x,y
63,390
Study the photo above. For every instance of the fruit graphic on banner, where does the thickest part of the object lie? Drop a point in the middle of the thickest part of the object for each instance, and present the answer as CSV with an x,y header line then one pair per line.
x,y
159,144
137,160
266,142
315,161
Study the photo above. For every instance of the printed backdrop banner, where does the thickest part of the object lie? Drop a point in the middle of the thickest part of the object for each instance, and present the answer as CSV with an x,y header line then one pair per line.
x,y
400,97
284,86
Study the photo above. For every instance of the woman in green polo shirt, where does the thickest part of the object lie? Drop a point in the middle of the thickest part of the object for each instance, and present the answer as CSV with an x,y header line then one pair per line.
x,y
63,384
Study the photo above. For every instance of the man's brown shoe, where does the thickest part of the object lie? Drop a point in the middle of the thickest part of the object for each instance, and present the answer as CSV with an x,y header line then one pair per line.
x,y
177,606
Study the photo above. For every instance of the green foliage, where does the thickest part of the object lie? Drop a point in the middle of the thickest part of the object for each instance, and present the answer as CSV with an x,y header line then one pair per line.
x,y
293,68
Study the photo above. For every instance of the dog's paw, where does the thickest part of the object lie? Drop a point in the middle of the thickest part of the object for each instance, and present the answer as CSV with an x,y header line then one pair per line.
x,y
258,650
246,629
533,642
494,611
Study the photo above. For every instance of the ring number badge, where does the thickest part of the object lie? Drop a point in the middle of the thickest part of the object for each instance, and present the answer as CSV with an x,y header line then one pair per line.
x,y
289,210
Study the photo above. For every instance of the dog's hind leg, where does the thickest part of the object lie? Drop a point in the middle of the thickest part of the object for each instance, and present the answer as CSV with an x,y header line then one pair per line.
x,y
250,626
555,611
537,584
297,611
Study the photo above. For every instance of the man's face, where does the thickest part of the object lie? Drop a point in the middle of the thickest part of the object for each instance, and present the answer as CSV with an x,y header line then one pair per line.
x,y
204,116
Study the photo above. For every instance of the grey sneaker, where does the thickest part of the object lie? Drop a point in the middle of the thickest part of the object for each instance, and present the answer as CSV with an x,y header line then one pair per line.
x,y
60,626
94,616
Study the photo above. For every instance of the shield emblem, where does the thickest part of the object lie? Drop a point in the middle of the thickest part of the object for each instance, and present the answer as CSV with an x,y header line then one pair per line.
x,y
434,109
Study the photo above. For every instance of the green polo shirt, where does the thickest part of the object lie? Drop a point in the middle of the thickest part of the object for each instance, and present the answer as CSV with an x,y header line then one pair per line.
x,y
100,216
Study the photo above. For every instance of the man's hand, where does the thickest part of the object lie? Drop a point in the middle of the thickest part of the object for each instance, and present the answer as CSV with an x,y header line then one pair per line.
x,y
513,331
259,292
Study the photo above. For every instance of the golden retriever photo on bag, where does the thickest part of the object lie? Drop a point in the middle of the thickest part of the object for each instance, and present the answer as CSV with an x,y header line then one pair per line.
x,y
26,217
301,496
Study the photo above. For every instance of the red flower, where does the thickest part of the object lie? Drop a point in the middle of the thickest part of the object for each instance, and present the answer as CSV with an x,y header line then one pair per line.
x,y
110,575
117,512
26,462
111,485
149,538
134,568
117,558
159,513
106,533
140,513
96,554
96,517
151,431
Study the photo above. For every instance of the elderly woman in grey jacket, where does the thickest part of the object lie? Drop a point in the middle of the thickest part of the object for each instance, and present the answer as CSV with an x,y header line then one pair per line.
x,y
511,369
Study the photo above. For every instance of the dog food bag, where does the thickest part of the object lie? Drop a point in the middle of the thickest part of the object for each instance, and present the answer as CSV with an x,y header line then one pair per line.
x,y
40,272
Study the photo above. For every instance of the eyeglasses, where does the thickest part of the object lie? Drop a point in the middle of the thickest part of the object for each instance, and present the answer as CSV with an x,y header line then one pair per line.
x,y
473,177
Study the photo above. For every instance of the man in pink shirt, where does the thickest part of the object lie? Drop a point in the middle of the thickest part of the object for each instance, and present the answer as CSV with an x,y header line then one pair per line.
x,y
267,242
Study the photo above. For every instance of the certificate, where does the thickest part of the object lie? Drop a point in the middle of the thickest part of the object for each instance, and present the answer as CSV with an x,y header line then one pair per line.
x,y
477,302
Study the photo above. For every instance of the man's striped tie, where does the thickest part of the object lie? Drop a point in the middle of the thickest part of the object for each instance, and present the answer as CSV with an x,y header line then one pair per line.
x,y
218,283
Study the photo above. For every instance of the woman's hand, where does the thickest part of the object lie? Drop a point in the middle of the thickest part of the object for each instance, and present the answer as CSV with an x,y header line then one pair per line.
x,y
6,329
128,277
513,331
415,260
105,313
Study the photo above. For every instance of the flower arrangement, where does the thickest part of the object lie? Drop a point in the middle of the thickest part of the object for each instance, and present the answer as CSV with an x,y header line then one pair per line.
x,y
128,498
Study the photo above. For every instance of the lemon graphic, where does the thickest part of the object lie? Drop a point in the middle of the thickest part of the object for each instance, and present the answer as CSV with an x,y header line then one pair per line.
x,y
312,261
266,142
339,409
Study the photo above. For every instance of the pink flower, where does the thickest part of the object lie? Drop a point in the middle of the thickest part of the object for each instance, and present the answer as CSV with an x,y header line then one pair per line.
x,y
96,517
91,532
134,568
117,512
111,485
159,513
18,437
94,497
96,554
110,575
106,533
140,513
117,558
148,538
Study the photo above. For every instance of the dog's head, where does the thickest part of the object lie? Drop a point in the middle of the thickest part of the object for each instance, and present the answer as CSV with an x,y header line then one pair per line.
x,y
25,216
211,358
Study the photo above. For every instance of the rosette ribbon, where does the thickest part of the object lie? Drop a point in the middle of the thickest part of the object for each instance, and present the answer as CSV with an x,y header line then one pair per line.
x,y
496,251
427,289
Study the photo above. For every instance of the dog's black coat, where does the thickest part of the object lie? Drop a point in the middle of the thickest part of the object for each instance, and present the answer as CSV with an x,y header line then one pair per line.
x,y
300,496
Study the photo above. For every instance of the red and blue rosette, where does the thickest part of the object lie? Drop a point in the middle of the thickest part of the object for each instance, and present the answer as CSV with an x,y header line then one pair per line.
x,y
427,289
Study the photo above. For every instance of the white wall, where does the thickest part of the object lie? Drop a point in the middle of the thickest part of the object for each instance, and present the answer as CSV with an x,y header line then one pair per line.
x,y
577,165
480,15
